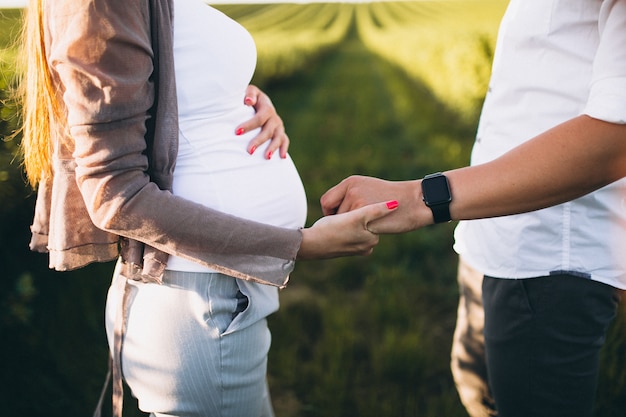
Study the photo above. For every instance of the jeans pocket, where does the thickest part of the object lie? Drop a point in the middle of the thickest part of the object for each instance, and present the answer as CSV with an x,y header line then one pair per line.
x,y
525,296
224,302
242,304
508,308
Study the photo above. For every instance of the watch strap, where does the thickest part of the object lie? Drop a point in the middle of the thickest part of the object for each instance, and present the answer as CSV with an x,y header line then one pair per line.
x,y
441,212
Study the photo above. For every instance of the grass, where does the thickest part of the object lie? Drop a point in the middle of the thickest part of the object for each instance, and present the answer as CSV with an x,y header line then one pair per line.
x,y
369,338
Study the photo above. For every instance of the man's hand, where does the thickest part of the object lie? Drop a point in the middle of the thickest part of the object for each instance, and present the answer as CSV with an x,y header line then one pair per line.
x,y
357,191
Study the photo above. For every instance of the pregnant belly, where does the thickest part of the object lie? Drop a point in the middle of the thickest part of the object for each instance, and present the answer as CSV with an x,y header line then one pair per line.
x,y
269,192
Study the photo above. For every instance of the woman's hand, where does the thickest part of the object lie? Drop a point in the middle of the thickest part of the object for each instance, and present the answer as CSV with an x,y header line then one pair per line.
x,y
344,234
266,117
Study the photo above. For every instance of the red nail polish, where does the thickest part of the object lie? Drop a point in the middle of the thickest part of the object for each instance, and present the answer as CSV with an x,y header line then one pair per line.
x,y
248,101
392,204
239,131
252,149
269,155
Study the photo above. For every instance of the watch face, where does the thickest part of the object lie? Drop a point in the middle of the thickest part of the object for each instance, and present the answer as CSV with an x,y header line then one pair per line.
x,y
436,190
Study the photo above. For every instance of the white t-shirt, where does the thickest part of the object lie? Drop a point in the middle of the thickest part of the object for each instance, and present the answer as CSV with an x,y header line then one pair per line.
x,y
554,60
215,58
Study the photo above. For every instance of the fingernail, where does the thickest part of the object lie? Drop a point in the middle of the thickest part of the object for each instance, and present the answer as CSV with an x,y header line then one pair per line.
x,y
269,155
247,100
240,131
252,149
392,204
283,155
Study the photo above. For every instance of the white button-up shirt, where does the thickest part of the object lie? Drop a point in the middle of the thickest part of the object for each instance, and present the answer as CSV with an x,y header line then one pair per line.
x,y
554,60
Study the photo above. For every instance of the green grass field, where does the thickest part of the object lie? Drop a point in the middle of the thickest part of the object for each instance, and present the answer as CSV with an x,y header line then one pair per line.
x,y
355,337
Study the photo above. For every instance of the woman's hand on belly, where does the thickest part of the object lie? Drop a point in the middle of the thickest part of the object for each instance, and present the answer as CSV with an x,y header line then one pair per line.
x,y
266,118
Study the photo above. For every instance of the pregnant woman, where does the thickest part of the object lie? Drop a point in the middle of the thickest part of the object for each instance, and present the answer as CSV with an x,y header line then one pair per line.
x,y
118,93
198,344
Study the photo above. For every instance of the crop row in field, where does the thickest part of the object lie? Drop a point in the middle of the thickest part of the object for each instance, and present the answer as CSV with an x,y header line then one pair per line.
x,y
448,45
290,35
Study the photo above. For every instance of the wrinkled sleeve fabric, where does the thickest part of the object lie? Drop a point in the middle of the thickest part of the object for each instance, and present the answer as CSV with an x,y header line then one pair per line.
x,y
101,57
607,97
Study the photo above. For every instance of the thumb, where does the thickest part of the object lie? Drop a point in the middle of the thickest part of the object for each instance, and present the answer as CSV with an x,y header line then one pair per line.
x,y
331,200
377,211
252,95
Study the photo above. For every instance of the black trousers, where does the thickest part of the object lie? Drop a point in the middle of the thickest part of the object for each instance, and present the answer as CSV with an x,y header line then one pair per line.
x,y
543,338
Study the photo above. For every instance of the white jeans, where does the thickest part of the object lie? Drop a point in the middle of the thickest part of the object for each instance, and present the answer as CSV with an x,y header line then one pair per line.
x,y
180,356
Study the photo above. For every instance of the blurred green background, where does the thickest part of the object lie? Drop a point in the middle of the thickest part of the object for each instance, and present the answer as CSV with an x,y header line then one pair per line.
x,y
388,89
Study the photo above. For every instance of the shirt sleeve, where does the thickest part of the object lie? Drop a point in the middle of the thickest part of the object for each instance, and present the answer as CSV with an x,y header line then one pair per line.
x,y
607,96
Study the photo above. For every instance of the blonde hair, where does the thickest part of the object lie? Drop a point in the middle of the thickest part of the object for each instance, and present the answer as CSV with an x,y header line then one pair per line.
x,y
41,111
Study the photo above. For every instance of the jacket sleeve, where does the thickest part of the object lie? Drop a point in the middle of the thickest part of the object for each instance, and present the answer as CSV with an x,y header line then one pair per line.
x,y
101,58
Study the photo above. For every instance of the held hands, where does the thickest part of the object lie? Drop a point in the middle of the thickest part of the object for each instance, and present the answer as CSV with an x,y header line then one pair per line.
x,y
344,234
266,117
357,191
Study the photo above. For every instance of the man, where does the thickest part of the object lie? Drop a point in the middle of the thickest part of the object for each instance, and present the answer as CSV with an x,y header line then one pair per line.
x,y
552,130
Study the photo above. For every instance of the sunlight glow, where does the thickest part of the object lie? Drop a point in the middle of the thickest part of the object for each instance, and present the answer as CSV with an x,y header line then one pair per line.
x,y
11,4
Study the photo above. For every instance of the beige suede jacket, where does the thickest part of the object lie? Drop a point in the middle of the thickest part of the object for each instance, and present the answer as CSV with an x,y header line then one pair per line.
x,y
109,195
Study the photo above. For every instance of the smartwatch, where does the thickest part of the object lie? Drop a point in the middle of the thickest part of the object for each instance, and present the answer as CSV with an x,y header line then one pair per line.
x,y
436,195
